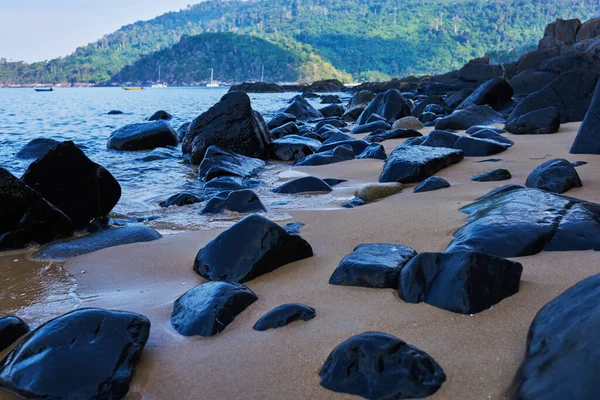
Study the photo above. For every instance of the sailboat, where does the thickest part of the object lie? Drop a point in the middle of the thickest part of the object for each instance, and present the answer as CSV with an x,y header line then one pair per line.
x,y
212,83
159,84
262,75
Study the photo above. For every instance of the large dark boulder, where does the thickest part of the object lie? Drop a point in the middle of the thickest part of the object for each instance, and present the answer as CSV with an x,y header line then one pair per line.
x,y
391,105
160,115
530,81
439,138
358,146
241,201
11,328
378,366
570,93
302,110
181,199
373,266
333,110
467,117
207,309
280,119
343,152
379,136
476,71
284,315
85,354
539,122
327,86
25,217
431,184
561,359
496,93
285,130
230,124
293,148
96,241
375,151
414,164
561,33
491,134
36,148
556,176
362,97
464,282
453,100
218,162
308,184
371,127
587,140
330,99
144,136
79,187
433,99
251,248
479,147
498,174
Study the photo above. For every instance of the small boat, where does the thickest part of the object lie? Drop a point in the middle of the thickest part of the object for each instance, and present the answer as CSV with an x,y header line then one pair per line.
x,y
44,89
212,82
159,84
133,88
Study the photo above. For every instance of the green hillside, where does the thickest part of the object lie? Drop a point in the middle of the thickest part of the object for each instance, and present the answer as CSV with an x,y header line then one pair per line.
x,y
369,39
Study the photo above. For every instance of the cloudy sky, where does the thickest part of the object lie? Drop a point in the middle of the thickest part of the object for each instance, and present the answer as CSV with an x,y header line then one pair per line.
x,y
36,30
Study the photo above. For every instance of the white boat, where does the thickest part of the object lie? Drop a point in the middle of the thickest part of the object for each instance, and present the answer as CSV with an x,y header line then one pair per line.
x,y
212,83
159,84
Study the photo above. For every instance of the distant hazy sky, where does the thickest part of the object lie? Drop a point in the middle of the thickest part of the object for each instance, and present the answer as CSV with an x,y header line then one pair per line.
x,y
36,30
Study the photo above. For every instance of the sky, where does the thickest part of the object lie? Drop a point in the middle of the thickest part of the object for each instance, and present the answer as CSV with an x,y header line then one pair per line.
x,y
37,30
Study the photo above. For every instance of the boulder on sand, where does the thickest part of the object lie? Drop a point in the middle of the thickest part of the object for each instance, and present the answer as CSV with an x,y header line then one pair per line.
x,y
230,124
409,122
144,136
414,164
391,105
284,315
241,201
342,152
293,147
539,122
302,110
76,185
479,147
467,117
556,176
496,93
374,150
430,184
307,184
587,140
499,174
375,191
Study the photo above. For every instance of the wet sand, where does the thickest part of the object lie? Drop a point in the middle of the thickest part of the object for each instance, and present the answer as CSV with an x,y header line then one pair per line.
x,y
479,353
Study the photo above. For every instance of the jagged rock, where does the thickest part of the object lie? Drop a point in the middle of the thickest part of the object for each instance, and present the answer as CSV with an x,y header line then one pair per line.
x,y
375,191
371,127
302,109
285,130
335,122
499,174
241,201
433,99
80,188
341,153
96,241
464,282
556,176
353,114
375,365
476,147
218,162
293,148
333,110
280,119
431,184
250,248
36,148
115,112
414,164
353,203
284,315
408,123
144,136
11,328
454,99
530,81
570,93
181,199
492,135
390,105
160,115
375,151
469,116
439,138
562,353
308,184
496,93
230,124
373,266
587,140
111,341
209,308
330,99
538,122
378,136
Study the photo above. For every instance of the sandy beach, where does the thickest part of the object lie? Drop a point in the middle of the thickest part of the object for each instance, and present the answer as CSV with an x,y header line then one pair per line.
x,y
479,354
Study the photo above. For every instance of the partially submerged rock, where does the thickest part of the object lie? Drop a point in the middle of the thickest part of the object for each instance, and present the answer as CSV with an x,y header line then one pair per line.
x,y
556,176
413,164
219,163
307,184
11,328
498,174
284,315
241,201
431,184
144,136
37,148
375,191
160,115
181,199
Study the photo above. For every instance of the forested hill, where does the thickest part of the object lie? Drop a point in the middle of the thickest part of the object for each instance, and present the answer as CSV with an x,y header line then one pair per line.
x,y
369,39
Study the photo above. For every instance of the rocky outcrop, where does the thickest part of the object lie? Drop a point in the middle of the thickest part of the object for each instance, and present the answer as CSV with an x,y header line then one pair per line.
x,y
556,176
391,105
257,87
145,136
284,315
414,164
327,86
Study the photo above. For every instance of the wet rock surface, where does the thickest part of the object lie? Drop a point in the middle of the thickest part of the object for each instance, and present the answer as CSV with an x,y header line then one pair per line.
x,y
160,115
55,360
479,147
208,309
469,116
378,136
181,199
414,164
375,150
464,282
373,266
556,176
241,201
498,174
431,184
284,315
302,109
353,203
496,93
341,153
587,140
378,366
293,148
280,119
221,163
307,184
391,105
36,148
11,328
144,136
250,248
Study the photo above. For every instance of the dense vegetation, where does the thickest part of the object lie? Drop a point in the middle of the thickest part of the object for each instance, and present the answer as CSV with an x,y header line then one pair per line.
x,y
369,39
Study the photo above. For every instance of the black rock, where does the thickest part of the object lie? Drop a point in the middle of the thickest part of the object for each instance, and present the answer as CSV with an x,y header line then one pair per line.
x,y
230,124
371,127
358,146
353,203
539,122
284,315
413,164
373,266
530,81
439,138
257,87
338,137
341,153
285,130
587,140
308,184
477,128
293,148
80,188
556,176
378,366
578,163
456,98
561,360
431,184
11,328
490,160
334,181
25,217
375,151
250,248
231,183
330,99
353,114
163,153
302,109
492,135
476,147
182,131
337,123
363,97
469,116
378,136
333,110
218,162
499,174
432,100
496,93
414,141
280,120
37,148
241,201
144,136
207,309
464,282
293,228
160,115
181,199
115,112
96,241
391,105
375,118
54,361
479,72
